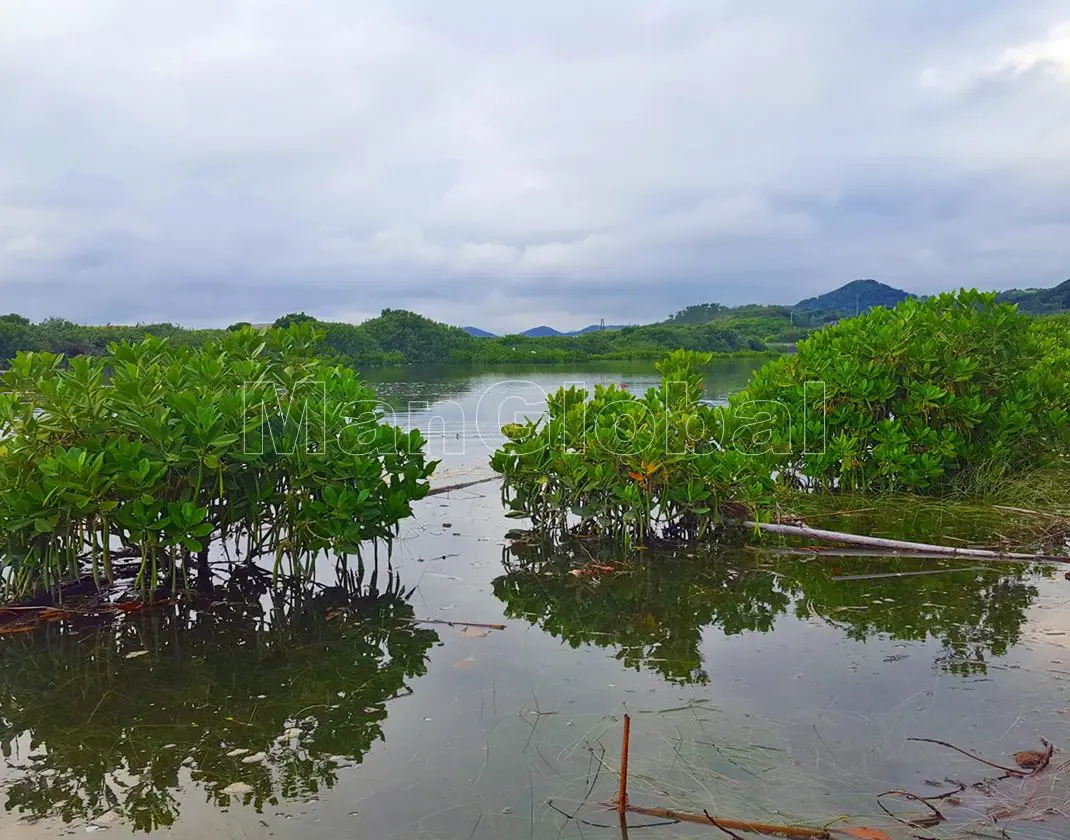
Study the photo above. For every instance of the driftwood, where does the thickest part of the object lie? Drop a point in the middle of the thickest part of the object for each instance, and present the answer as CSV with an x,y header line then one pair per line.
x,y
901,545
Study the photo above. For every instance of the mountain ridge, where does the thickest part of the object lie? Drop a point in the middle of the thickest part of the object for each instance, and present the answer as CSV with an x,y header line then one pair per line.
x,y
857,296
854,298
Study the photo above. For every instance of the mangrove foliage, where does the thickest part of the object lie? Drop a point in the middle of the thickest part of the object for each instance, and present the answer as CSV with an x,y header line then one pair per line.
x,y
947,394
153,451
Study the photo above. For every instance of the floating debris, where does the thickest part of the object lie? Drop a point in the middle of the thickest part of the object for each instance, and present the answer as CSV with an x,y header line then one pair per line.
x,y
237,789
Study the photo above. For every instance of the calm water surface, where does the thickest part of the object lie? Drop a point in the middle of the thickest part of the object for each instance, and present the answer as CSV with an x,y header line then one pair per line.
x,y
759,686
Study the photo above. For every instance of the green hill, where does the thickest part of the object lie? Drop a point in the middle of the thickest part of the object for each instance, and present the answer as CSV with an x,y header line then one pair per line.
x,y
856,297
1039,301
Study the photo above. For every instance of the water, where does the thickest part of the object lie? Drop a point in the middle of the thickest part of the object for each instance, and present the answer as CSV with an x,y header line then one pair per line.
x,y
760,686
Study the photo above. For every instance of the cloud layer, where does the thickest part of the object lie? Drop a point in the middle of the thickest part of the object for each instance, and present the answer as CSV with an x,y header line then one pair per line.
x,y
505,164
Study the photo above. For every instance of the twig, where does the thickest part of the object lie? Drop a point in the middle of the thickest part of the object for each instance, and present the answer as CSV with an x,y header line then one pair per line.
x,y
915,823
727,831
1010,770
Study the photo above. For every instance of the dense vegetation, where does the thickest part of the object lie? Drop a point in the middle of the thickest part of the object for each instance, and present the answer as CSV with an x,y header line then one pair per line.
x,y
56,335
398,337
628,465
153,450
944,394
930,395
771,324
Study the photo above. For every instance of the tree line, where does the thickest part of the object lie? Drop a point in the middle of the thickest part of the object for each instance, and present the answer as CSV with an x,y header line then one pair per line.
x,y
398,337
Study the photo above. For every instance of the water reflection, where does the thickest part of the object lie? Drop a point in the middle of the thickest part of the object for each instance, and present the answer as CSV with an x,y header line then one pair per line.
x,y
254,701
975,614
655,610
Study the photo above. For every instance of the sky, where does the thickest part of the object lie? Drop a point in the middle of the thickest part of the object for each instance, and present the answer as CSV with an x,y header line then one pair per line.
x,y
507,164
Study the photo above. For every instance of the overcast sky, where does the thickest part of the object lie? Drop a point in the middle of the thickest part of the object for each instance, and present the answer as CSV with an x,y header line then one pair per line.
x,y
507,163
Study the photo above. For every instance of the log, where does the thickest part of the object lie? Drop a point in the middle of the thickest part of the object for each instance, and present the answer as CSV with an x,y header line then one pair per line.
x,y
900,545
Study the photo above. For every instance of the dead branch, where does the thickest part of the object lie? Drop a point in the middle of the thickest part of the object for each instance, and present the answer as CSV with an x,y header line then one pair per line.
x,y
899,545
790,831
462,485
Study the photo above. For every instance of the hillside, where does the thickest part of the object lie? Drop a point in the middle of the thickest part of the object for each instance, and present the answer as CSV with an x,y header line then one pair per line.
x,y
776,324
596,328
1039,301
856,297
541,332
476,332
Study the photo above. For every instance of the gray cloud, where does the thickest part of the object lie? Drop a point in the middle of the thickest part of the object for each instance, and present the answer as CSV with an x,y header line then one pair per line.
x,y
505,164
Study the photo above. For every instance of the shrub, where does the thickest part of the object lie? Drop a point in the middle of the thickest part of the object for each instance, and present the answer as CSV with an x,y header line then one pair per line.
x,y
627,465
923,397
155,450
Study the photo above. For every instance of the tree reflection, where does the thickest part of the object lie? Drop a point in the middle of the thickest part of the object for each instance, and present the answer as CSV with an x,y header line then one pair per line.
x,y
974,614
654,608
264,695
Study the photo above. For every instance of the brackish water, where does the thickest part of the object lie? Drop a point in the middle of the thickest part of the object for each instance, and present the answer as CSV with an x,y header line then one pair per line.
x,y
760,686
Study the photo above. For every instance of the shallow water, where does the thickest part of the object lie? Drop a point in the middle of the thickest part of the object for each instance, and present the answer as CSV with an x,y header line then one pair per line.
x,y
760,687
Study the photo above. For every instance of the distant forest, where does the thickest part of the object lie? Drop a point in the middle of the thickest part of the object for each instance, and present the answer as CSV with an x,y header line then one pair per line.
x,y
399,337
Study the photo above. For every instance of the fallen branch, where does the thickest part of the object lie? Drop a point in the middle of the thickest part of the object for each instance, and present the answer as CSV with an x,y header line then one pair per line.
x,y
794,832
461,486
899,545
874,553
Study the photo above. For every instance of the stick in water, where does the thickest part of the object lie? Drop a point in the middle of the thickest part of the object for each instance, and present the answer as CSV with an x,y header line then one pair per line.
x,y
448,487
622,795
901,545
